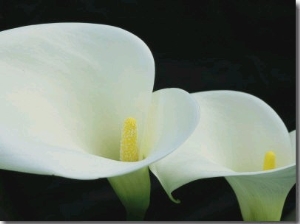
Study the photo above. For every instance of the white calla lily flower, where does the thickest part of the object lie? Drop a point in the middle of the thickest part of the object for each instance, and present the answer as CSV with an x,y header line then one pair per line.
x,y
66,90
235,133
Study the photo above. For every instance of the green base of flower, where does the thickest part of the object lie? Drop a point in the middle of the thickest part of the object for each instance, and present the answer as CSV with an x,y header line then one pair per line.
x,y
261,198
133,190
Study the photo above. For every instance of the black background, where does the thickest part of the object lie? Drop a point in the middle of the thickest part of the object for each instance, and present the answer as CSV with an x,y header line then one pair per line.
x,y
244,45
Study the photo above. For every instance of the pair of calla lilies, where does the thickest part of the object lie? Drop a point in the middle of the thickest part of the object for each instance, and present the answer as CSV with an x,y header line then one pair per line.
x,y
76,101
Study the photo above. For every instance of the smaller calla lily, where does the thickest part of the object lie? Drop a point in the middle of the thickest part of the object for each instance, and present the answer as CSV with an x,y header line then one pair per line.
x,y
76,101
242,139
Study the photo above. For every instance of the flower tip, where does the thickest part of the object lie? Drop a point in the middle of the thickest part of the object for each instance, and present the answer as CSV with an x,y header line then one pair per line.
x,y
177,201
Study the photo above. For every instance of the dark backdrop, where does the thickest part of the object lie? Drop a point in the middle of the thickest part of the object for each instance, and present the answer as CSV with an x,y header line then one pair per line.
x,y
244,45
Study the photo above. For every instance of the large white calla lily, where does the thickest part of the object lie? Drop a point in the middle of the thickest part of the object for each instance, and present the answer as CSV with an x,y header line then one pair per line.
x,y
66,90
234,135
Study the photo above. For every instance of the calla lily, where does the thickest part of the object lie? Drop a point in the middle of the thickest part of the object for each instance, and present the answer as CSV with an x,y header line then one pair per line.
x,y
66,90
235,133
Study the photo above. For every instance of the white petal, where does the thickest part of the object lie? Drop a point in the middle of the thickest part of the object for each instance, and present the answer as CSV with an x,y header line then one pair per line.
x,y
174,116
234,132
71,85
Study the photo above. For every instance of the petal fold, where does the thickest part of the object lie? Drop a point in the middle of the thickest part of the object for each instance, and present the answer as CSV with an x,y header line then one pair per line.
x,y
173,116
293,139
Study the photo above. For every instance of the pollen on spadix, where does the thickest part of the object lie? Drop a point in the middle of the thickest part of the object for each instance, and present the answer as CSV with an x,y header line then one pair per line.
x,y
128,147
269,161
